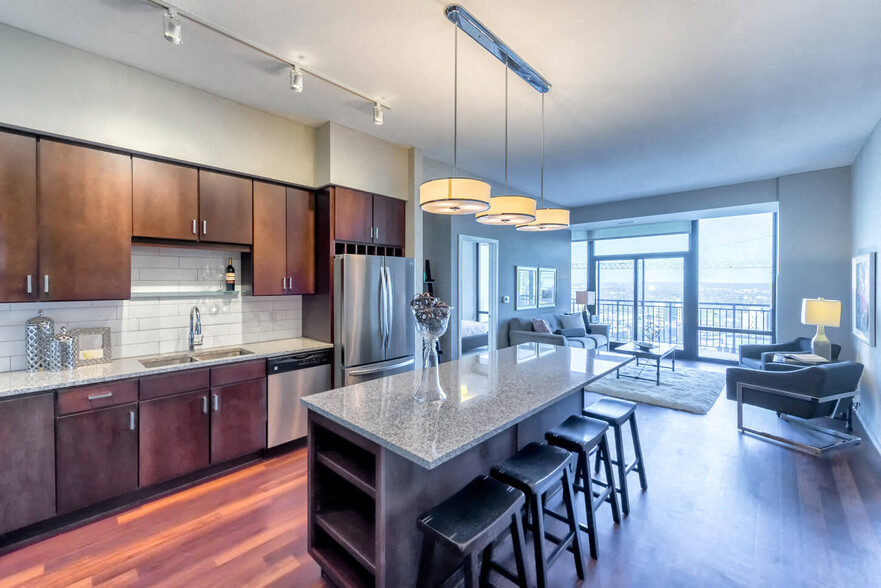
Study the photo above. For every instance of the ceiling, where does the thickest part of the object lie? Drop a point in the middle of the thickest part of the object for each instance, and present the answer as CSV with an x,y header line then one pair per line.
x,y
648,97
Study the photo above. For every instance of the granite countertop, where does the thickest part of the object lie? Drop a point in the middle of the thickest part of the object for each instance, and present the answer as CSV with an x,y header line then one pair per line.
x,y
486,394
22,382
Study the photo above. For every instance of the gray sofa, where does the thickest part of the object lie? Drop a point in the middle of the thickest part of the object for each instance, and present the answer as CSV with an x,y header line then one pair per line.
x,y
520,331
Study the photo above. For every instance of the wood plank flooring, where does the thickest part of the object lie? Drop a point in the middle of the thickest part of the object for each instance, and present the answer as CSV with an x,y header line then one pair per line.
x,y
722,509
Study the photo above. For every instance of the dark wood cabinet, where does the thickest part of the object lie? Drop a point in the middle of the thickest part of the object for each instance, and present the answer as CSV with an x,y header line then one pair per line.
x,y
225,208
284,240
238,420
389,221
27,461
300,241
18,218
174,434
97,456
85,220
165,200
353,215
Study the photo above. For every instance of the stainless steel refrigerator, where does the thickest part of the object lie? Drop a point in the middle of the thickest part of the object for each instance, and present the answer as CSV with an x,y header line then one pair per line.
x,y
374,329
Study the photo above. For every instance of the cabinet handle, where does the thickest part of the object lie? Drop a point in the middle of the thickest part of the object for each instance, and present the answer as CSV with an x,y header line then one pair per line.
x,y
100,396
205,404
30,284
284,283
46,283
376,232
194,226
371,232
216,402
131,420
204,227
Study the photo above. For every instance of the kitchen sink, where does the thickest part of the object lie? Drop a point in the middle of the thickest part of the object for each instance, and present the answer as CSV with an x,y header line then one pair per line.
x,y
167,361
221,354
194,357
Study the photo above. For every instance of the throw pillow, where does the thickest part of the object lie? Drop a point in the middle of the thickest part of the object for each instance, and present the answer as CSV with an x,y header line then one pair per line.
x,y
572,321
573,332
539,325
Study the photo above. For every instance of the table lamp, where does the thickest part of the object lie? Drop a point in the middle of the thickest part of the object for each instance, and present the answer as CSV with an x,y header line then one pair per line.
x,y
585,298
822,313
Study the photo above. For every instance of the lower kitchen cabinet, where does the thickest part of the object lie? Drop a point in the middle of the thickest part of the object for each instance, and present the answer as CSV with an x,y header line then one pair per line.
x,y
27,461
97,456
174,434
238,420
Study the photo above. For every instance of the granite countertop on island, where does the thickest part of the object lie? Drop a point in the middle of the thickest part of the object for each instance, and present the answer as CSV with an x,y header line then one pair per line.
x,y
486,393
21,382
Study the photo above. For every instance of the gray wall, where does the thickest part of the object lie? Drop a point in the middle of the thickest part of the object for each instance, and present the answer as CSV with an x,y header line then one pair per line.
x,y
866,185
441,234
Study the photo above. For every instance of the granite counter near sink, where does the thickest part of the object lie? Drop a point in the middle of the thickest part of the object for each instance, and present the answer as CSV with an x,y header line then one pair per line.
x,y
22,383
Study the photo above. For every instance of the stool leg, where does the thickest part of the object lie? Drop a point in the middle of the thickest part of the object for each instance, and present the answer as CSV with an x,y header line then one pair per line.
x,y
485,565
520,552
613,494
637,447
472,579
538,538
568,498
425,560
622,469
596,469
589,512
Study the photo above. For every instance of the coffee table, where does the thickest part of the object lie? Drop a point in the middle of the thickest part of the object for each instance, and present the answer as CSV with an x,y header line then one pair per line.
x,y
657,353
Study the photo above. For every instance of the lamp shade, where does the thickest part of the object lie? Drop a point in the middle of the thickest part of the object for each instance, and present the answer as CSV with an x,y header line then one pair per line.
x,y
821,312
547,219
454,196
508,210
588,297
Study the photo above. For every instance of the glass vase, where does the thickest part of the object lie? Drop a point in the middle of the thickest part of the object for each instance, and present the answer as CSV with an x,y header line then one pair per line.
x,y
430,389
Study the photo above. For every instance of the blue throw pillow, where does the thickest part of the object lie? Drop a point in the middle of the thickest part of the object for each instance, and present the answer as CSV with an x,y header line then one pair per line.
x,y
573,332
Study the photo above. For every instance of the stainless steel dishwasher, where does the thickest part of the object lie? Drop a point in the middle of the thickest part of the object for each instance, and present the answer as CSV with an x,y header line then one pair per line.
x,y
292,377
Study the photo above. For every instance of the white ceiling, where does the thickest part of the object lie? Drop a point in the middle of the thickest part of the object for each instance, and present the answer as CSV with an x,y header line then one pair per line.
x,y
648,97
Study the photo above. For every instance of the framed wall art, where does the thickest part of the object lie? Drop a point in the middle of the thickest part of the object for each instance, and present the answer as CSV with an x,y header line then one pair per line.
x,y
547,287
863,297
526,287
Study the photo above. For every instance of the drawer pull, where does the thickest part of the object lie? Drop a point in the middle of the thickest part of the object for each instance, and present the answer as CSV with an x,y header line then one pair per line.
x,y
30,284
194,226
100,396
216,402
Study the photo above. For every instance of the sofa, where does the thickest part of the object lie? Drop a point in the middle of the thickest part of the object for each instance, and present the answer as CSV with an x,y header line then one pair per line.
x,y
520,331
758,357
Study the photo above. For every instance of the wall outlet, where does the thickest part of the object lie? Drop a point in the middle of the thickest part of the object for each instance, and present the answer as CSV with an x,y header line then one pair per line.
x,y
506,299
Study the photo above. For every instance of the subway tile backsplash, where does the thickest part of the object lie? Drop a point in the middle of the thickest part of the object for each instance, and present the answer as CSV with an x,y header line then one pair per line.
x,y
159,323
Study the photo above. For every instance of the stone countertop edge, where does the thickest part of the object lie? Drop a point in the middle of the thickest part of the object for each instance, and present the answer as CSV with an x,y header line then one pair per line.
x,y
13,384
430,465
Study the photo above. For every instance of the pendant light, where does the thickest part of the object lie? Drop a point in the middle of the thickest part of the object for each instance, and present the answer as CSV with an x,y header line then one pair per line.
x,y
454,195
546,219
508,210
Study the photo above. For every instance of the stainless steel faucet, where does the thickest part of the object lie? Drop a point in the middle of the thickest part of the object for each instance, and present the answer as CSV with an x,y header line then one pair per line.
x,y
195,328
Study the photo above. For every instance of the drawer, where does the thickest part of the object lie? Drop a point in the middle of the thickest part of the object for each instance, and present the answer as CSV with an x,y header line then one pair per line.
x,y
173,383
96,396
238,372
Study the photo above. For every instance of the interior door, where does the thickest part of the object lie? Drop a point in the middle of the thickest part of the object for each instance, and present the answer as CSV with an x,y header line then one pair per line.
x,y
401,324
359,293
18,218
269,257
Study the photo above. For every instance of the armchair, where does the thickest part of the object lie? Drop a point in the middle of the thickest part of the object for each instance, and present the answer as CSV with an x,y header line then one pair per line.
x,y
757,357
797,395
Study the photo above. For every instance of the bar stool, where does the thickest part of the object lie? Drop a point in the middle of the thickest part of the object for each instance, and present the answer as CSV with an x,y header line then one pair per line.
x,y
616,412
468,522
582,436
535,470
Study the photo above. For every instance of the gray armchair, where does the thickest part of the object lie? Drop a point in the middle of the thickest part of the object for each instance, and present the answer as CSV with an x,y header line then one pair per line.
x,y
758,357
797,395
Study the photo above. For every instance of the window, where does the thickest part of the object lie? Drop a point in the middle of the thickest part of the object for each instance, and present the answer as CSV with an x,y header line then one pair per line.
x,y
579,272
636,245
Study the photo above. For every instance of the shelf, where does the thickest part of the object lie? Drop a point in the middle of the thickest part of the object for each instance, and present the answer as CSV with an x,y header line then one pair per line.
x,y
340,567
360,475
354,532
192,294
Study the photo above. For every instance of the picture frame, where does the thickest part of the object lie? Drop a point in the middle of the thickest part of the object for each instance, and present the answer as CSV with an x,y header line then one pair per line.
x,y
547,287
93,346
863,297
525,287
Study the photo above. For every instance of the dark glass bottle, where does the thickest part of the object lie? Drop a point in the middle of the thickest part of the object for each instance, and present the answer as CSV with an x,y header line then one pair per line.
x,y
230,277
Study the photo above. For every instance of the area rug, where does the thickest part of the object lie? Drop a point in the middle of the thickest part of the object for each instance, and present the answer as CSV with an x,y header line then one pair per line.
x,y
687,389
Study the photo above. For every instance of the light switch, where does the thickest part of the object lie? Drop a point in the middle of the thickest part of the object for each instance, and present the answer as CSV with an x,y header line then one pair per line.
x,y
506,299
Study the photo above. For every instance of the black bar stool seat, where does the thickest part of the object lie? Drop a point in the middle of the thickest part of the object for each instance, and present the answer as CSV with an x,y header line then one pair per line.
x,y
468,522
616,413
537,469
583,435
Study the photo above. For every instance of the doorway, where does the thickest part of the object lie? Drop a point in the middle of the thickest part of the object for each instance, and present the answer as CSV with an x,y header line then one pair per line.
x,y
478,295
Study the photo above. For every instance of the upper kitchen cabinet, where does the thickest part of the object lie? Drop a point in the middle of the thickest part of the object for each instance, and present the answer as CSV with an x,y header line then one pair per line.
x,y
389,221
360,217
165,200
225,208
85,220
18,218
284,240
300,215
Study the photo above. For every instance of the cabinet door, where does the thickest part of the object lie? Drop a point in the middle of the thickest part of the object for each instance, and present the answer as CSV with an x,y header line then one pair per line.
x,y
85,223
97,453
18,218
300,241
174,436
225,208
27,461
268,256
165,200
353,215
389,221
238,420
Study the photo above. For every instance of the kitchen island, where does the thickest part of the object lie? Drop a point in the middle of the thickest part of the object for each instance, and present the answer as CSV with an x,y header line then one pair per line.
x,y
378,458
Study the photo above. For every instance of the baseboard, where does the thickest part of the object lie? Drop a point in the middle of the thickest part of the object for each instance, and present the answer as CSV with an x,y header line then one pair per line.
x,y
868,433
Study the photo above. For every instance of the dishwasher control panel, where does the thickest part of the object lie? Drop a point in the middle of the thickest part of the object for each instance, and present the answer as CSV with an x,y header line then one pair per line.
x,y
300,361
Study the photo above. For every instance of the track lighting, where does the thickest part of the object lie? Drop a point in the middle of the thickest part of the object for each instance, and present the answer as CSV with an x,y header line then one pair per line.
x,y
172,27
296,79
377,114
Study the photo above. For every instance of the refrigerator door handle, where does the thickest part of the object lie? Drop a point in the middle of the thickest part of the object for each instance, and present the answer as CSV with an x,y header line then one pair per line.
x,y
390,303
382,296
382,368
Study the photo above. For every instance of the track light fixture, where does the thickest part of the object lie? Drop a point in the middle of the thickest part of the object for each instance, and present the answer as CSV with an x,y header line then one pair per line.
x,y
296,79
172,27
377,113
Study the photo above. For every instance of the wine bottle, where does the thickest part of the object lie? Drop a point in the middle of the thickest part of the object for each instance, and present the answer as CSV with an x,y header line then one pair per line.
x,y
230,277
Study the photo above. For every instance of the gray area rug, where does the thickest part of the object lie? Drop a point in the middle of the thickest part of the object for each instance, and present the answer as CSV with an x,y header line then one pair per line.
x,y
687,389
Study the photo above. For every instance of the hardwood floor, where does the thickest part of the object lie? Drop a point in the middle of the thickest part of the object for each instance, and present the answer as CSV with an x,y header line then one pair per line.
x,y
722,509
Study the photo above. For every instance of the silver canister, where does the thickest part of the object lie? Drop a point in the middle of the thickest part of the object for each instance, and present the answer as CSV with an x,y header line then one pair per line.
x,y
67,349
38,332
